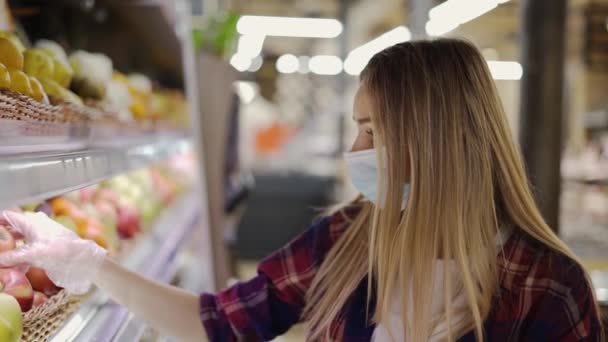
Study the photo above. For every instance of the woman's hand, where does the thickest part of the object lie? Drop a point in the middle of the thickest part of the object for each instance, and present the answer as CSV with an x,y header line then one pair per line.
x,y
69,261
75,264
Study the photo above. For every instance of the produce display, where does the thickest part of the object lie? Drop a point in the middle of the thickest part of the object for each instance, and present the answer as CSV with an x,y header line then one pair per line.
x,y
61,95
111,213
47,73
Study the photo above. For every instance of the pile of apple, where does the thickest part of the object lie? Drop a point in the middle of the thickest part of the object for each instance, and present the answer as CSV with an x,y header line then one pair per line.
x,y
20,290
114,210
31,288
108,213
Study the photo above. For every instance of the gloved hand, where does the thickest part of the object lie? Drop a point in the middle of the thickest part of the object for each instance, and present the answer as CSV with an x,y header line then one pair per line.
x,y
69,261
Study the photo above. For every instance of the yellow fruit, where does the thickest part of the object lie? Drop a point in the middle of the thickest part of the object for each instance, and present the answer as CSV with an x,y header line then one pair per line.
x,y
14,39
20,82
5,77
53,47
118,76
62,72
10,55
37,90
38,64
138,108
70,96
53,88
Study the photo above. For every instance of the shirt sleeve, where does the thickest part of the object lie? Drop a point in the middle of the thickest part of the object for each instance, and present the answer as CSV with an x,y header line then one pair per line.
x,y
270,303
567,311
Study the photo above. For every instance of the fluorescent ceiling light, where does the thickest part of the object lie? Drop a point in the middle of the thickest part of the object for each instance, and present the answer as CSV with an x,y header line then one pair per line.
x,y
250,45
359,57
503,70
450,14
289,26
325,65
246,90
247,56
256,64
287,64
240,62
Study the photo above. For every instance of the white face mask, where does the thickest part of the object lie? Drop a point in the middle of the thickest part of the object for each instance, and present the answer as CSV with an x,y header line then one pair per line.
x,y
363,169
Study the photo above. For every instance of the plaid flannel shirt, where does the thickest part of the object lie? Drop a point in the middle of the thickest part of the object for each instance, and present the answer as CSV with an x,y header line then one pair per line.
x,y
543,296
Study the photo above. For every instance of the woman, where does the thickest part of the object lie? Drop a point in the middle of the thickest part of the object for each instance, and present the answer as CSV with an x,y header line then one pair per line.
x,y
446,242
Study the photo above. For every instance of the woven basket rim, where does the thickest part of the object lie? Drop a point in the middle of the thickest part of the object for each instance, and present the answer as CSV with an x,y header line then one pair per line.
x,y
42,311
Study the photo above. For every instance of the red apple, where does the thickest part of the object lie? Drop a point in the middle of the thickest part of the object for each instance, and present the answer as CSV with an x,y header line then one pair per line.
x,y
7,240
15,283
87,194
128,222
16,235
107,212
41,282
39,298
163,187
109,195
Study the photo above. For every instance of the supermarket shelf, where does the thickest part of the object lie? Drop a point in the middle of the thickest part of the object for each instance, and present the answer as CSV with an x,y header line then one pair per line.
x,y
28,178
99,318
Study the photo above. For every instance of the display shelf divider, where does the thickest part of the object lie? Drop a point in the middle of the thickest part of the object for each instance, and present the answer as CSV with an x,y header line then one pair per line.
x,y
28,178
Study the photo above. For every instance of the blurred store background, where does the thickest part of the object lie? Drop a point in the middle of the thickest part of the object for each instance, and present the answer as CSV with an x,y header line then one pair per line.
x,y
298,63
257,95
299,60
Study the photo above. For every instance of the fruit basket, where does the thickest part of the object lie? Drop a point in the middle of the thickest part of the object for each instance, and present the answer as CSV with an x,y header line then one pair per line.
x,y
41,322
27,125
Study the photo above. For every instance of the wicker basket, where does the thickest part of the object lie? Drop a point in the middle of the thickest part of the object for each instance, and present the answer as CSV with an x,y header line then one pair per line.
x,y
41,322
27,125
91,115
20,107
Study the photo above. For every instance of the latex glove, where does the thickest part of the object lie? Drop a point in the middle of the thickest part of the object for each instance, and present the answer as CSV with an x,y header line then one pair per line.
x,y
69,261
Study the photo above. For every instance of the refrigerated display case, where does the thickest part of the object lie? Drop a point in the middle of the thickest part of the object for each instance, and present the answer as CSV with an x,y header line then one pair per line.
x,y
584,201
40,160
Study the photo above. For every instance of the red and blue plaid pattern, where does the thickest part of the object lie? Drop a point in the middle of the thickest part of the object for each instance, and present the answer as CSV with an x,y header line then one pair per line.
x,y
543,295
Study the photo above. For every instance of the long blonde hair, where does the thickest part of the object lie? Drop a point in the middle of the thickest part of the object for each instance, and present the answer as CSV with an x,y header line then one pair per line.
x,y
437,115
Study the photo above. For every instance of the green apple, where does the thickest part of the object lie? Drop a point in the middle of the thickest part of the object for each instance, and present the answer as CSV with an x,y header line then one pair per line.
x,y
63,72
38,63
30,207
11,320
53,88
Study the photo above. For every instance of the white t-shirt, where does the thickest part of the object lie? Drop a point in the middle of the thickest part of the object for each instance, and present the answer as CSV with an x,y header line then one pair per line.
x,y
395,324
